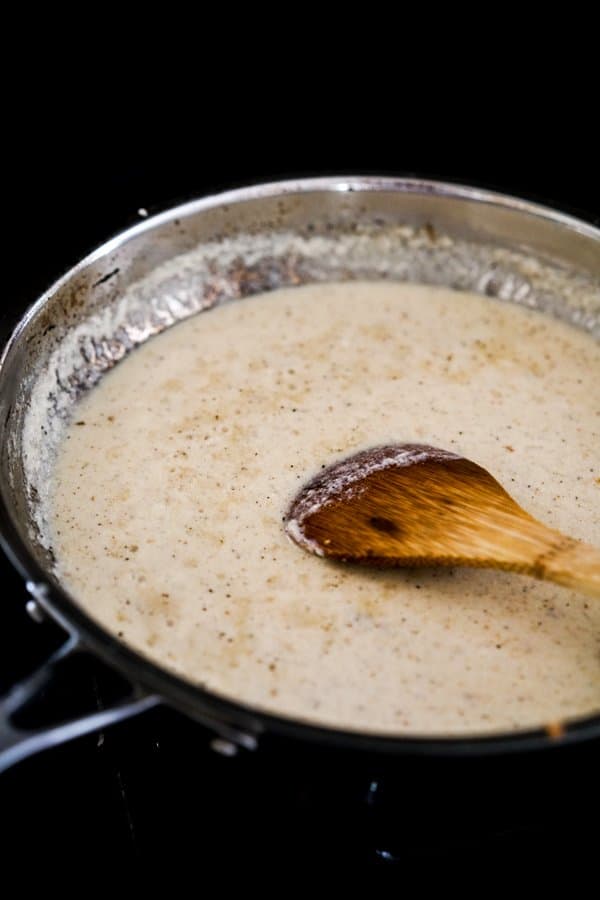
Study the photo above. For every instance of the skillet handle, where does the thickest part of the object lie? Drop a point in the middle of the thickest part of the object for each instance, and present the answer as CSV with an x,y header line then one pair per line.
x,y
18,743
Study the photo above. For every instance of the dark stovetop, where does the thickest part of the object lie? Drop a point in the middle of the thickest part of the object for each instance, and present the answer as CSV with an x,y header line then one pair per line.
x,y
153,788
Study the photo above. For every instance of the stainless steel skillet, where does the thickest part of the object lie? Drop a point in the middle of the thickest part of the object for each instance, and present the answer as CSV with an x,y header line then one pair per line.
x,y
220,249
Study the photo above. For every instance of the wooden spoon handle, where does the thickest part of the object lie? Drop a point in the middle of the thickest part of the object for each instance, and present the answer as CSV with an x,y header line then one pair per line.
x,y
572,564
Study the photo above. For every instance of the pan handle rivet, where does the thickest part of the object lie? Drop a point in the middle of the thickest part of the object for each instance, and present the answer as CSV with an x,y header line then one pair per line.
x,y
35,611
38,592
224,748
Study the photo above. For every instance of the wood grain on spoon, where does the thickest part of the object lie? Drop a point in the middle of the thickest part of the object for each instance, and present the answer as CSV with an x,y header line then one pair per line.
x,y
413,505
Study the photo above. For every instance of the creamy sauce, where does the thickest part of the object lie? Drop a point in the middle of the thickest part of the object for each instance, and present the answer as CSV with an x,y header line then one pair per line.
x,y
177,469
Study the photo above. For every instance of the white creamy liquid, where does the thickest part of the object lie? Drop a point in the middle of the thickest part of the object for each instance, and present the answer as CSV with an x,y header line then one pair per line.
x,y
171,485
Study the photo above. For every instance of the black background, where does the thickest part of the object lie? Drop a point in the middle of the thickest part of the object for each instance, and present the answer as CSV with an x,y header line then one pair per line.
x,y
78,168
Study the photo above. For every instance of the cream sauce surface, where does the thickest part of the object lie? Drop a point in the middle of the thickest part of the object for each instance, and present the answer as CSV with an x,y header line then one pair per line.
x,y
177,469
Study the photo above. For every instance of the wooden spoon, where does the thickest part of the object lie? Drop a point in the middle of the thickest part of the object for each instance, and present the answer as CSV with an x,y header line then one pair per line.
x,y
414,505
